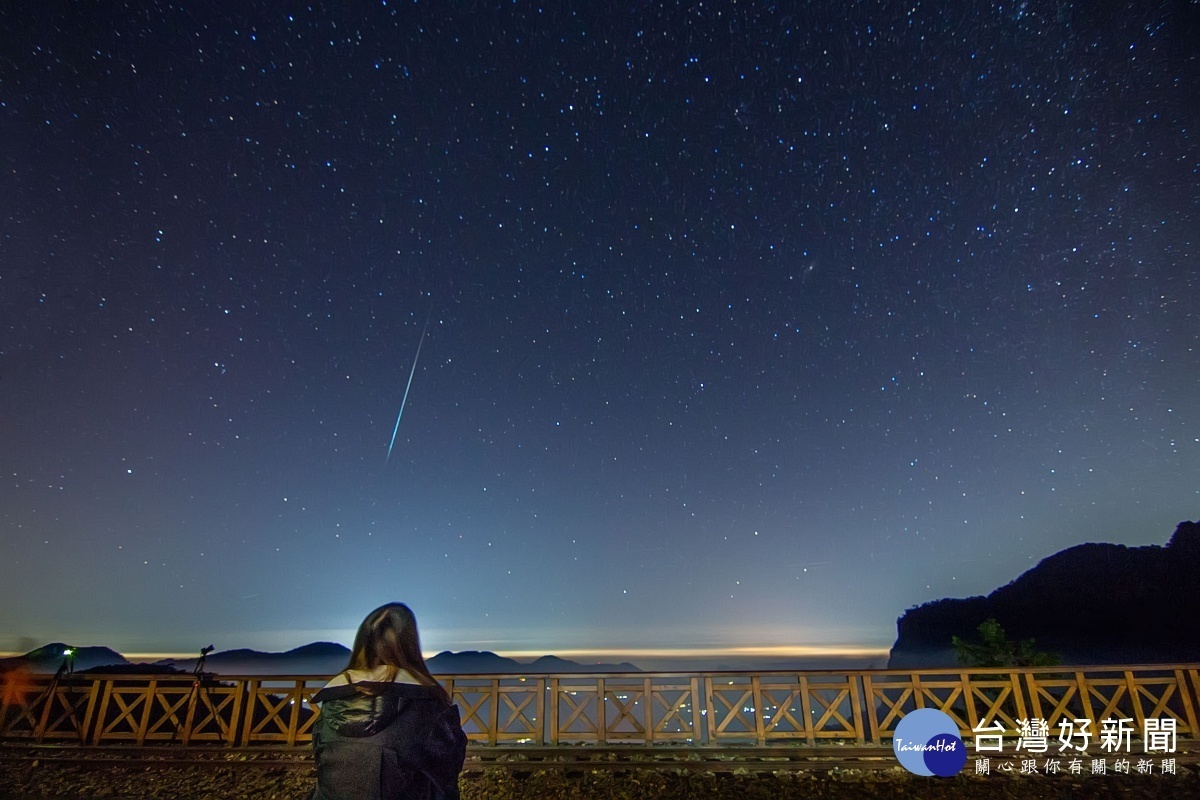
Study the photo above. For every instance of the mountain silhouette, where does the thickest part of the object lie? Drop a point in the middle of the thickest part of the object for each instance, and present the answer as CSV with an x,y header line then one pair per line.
x,y
49,657
1089,604
556,664
317,658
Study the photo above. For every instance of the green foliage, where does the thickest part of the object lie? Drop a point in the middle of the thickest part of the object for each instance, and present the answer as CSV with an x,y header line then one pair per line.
x,y
996,650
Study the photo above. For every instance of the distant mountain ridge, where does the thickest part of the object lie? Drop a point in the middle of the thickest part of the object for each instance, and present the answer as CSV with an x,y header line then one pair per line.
x,y
49,657
1090,604
473,661
317,658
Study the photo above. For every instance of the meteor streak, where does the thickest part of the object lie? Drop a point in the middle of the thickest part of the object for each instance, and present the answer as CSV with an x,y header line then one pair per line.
x,y
408,386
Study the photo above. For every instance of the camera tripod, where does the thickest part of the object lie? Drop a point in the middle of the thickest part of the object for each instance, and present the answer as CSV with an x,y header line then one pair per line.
x,y
45,701
201,680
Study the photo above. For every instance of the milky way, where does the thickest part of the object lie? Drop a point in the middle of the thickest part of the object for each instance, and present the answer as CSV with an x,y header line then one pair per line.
x,y
753,323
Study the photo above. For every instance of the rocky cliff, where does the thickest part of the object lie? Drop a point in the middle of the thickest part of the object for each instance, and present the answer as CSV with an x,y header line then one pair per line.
x,y
1090,604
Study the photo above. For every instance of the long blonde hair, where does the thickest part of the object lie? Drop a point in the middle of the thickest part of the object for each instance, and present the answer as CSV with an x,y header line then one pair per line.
x,y
388,638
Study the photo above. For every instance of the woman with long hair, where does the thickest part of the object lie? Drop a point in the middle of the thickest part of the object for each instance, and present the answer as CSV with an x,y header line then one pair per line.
x,y
387,730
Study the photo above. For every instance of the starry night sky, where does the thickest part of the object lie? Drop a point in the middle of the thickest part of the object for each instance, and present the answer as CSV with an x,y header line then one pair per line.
x,y
740,324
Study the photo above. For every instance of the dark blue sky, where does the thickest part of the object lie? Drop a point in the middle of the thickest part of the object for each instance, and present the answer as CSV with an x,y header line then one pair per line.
x,y
748,325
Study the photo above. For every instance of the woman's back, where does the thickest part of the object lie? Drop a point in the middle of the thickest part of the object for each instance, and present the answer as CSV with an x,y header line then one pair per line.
x,y
398,742
387,729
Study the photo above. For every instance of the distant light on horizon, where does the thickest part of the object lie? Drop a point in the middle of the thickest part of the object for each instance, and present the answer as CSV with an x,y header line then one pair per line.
x,y
740,651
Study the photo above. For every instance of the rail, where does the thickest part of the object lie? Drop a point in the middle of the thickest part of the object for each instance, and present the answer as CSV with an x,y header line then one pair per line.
x,y
759,709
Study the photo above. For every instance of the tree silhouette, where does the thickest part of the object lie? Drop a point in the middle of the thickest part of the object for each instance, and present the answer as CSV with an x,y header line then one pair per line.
x,y
996,650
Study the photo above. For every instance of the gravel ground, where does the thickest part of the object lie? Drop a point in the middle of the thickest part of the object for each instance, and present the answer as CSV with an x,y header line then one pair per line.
x,y
23,780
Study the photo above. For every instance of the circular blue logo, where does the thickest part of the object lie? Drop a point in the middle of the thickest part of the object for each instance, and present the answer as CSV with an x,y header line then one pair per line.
x,y
926,743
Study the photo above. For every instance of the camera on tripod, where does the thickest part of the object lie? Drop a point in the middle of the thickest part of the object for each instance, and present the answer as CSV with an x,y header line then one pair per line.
x,y
68,663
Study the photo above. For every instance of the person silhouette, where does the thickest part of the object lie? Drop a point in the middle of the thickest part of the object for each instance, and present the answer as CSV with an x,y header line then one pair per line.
x,y
387,729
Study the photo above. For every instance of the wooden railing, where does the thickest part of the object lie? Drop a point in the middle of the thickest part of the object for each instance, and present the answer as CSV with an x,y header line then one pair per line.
x,y
702,709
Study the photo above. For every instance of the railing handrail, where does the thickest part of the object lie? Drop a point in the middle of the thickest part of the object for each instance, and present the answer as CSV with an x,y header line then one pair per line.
x,y
851,707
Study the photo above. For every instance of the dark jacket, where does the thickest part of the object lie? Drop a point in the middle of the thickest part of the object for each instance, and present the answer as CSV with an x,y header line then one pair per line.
x,y
403,743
